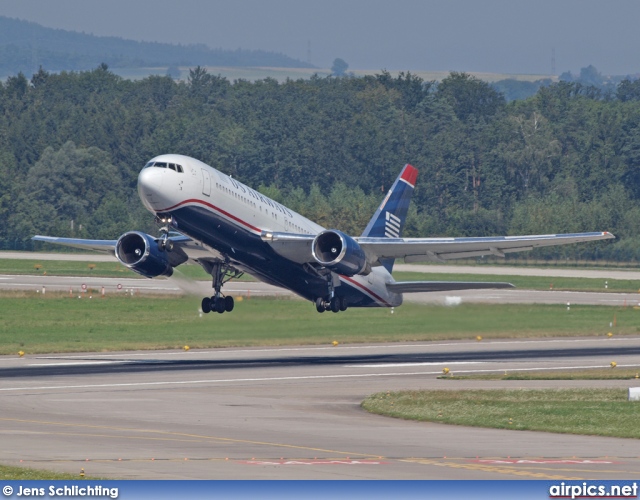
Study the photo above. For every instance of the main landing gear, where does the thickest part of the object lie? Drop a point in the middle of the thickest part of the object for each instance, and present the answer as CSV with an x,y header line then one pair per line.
x,y
221,272
331,302
218,304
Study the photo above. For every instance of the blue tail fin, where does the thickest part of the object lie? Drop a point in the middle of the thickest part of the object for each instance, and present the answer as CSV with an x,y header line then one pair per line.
x,y
389,219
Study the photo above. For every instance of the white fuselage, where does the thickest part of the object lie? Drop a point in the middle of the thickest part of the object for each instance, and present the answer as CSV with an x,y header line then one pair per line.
x,y
187,182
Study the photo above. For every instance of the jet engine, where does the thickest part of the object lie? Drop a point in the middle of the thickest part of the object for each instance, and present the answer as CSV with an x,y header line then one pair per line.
x,y
340,253
141,253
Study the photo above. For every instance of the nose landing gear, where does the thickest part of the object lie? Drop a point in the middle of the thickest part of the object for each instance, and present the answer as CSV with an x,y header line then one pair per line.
x,y
335,304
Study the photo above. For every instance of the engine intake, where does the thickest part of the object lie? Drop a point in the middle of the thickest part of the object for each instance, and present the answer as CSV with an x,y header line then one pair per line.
x,y
141,253
339,252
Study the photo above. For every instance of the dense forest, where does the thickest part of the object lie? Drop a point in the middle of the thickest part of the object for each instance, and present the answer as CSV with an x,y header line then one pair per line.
x,y
25,46
566,159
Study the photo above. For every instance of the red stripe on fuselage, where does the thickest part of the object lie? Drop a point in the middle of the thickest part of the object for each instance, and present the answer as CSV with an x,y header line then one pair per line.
x,y
365,289
223,212
410,175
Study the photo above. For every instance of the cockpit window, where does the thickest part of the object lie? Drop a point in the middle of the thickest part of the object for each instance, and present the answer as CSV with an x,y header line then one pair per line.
x,y
161,164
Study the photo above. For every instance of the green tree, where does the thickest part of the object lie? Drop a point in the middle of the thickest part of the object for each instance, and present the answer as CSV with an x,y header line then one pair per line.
x,y
470,96
339,67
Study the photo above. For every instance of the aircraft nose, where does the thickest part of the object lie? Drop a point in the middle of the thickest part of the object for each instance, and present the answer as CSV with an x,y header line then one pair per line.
x,y
150,178
149,184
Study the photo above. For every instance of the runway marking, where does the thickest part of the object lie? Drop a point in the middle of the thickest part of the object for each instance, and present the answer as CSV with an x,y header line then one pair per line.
x,y
335,349
542,461
430,363
81,363
488,468
184,435
213,381
280,379
311,462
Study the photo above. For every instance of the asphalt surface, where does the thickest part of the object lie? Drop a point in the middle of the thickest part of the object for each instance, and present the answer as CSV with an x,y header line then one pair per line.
x,y
293,413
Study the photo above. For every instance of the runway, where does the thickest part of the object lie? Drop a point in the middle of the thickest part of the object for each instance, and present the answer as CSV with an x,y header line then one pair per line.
x,y
177,284
293,413
94,285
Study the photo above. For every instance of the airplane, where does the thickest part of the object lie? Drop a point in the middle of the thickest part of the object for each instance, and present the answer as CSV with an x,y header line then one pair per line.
x,y
229,229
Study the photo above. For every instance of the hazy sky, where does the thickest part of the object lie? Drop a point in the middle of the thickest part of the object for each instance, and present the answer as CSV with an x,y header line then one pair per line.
x,y
503,36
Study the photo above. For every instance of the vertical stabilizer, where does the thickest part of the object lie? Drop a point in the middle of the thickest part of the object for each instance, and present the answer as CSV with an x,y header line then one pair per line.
x,y
389,219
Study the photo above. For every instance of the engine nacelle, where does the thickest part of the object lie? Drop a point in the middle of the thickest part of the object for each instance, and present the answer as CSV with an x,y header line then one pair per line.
x,y
141,253
340,253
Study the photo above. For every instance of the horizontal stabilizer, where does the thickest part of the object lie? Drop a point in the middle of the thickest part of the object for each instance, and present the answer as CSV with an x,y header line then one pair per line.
x,y
442,286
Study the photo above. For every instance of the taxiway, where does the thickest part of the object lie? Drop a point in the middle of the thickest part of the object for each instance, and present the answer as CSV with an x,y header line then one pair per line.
x,y
293,413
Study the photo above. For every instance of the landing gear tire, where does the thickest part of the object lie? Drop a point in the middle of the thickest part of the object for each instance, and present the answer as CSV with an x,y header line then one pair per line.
x,y
228,304
219,305
206,305
334,304
343,304
320,305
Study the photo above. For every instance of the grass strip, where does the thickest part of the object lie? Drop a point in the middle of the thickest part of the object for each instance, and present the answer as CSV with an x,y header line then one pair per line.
x,y
28,474
56,322
597,412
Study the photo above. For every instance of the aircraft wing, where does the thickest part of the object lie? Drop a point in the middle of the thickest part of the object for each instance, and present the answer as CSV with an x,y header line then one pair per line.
x,y
443,249
183,246
97,245
298,247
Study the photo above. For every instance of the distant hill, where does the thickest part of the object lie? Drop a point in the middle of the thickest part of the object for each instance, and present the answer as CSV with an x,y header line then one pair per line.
x,y
25,46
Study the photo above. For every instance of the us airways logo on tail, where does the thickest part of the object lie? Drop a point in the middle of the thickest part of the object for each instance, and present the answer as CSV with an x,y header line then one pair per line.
x,y
392,226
